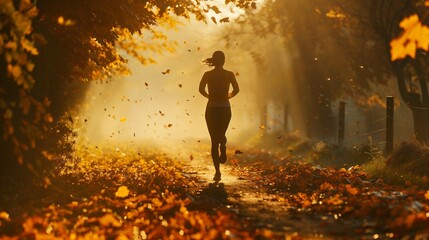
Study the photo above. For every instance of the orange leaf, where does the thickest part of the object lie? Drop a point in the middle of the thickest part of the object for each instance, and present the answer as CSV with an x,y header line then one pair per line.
x,y
326,186
351,190
122,192
415,36
109,220
4,215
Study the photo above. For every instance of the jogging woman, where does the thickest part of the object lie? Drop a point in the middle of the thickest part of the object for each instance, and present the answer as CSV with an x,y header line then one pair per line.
x,y
218,110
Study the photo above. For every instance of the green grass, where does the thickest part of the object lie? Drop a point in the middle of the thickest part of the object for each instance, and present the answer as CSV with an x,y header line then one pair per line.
x,y
378,168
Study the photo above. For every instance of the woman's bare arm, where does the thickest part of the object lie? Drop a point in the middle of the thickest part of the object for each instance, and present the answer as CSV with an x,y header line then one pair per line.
x,y
235,87
202,88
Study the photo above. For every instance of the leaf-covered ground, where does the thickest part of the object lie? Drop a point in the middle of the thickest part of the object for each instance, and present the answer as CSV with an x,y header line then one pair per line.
x,y
128,194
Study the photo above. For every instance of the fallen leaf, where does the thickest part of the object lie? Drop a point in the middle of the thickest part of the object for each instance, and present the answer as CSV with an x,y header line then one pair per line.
x,y
122,192
4,215
351,190
326,186
109,220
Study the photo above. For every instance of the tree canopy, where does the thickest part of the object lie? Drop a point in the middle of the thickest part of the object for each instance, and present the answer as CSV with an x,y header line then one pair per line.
x,y
49,50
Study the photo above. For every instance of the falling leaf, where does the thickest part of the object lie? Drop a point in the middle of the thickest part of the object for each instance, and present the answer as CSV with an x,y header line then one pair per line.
x,y
214,20
166,71
123,119
180,85
238,152
162,114
191,157
60,20
237,74
224,20
122,192
215,9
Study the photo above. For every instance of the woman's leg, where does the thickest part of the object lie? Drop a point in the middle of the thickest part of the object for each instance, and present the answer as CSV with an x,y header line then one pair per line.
x,y
225,118
211,120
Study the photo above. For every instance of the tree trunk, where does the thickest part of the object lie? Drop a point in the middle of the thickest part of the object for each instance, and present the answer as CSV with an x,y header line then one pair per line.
x,y
418,103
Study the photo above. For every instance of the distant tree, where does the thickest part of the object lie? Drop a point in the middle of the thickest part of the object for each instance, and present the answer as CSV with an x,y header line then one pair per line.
x,y
334,49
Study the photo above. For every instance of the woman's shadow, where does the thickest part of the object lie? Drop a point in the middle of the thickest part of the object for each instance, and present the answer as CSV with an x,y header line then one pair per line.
x,y
213,195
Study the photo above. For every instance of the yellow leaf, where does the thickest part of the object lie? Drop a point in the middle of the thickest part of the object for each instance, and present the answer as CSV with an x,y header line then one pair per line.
x,y
16,71
427,195
123,119
60,20
414,36
122,192
4,215
109,220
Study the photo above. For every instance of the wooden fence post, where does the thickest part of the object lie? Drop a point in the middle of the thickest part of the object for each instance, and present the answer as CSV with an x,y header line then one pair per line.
x,y
389,124
341,122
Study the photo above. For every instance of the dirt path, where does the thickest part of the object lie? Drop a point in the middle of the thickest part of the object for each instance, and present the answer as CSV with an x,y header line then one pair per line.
x,y
254,203
162,194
